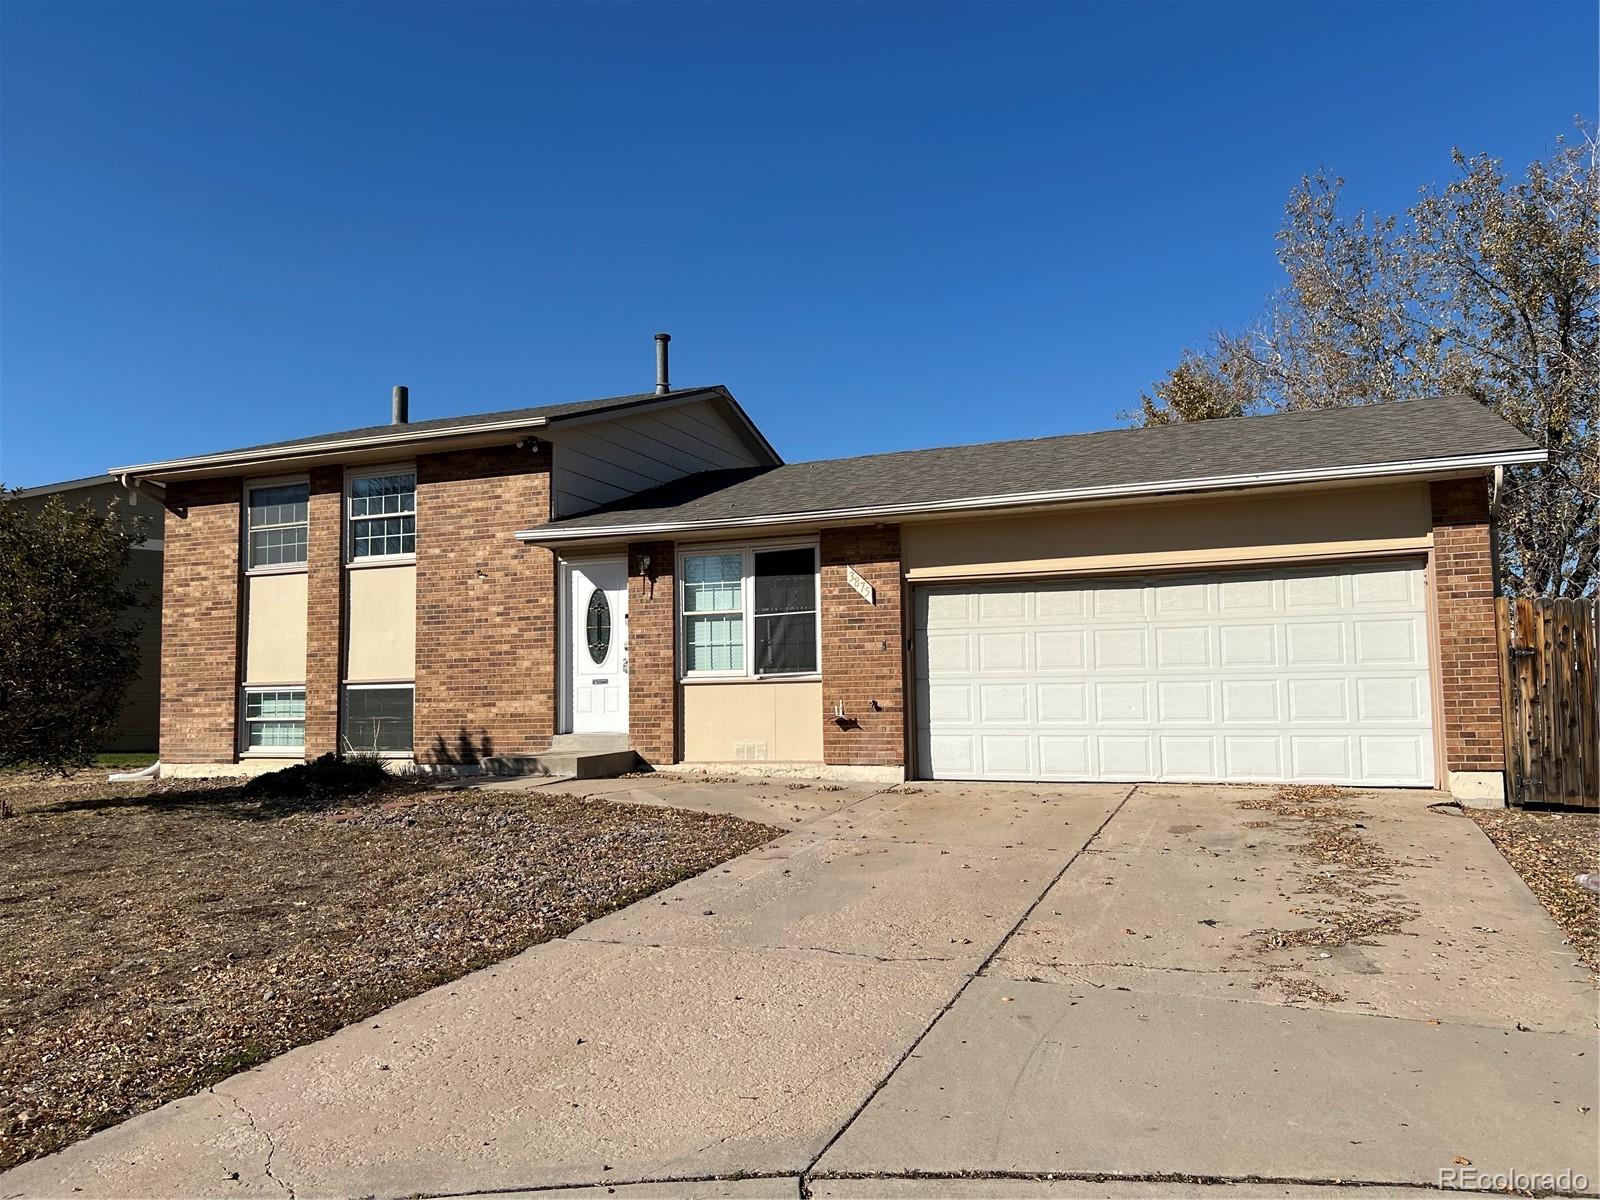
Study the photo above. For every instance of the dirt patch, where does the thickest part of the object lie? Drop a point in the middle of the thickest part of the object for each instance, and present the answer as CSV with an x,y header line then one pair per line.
x,y
1349,882
161,936
1548,849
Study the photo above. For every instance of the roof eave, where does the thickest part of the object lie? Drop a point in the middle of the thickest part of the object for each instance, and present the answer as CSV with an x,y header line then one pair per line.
x,y
546,535
201,466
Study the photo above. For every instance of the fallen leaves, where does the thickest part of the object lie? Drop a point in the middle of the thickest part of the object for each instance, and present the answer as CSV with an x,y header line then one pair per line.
x,y
161,936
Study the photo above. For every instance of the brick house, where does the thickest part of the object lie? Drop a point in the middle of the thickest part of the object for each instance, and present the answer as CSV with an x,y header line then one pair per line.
x,y
1300,597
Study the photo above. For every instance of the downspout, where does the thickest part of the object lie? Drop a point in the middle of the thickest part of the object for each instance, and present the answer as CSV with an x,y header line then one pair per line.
x,y
153,771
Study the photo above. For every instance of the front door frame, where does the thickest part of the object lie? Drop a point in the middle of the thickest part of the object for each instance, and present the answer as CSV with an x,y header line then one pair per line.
x,y
565,630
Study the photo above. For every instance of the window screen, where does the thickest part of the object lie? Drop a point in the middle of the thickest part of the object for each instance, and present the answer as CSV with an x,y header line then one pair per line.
x,y
377,720
785,615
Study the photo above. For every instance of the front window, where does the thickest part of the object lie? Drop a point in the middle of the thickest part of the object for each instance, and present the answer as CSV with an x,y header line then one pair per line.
x,y
275,719
750,611
383,515
277,519
785,611
713,612
377,719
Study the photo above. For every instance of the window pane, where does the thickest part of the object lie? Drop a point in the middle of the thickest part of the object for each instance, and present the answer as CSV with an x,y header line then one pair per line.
x,y
713,643
383,535
283,504
786,643
289,703
377,495
273,547
786,581
273,735
713,582
377,719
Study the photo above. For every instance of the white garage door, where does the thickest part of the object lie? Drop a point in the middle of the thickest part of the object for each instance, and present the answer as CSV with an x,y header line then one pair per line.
x,y
1310,676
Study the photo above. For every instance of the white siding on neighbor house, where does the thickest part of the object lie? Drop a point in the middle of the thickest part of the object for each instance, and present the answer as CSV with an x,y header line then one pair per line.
x,y
608,460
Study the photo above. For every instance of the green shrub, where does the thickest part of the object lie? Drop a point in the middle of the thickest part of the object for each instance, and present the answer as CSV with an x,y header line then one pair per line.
x,y
325,778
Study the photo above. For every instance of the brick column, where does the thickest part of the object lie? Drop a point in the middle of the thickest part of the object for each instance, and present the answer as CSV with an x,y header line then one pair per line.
x,y
1463,597
486,606
862,654
200,623
324,610
653,652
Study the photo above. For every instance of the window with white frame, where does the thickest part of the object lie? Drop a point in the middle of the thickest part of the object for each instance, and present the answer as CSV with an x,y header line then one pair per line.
x,y
750,611
377,718
277,519
275,719
383,515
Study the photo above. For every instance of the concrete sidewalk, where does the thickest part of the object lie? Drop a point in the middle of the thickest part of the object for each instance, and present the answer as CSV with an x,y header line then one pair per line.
x,y
940,980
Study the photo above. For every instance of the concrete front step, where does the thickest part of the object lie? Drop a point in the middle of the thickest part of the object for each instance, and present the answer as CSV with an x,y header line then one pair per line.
x,y
565,763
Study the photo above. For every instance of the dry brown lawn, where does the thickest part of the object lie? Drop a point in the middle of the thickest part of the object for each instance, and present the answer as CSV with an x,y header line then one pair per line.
x,y
160,936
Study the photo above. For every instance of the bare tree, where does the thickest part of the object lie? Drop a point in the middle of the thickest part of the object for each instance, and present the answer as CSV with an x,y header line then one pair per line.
x,y
1487,286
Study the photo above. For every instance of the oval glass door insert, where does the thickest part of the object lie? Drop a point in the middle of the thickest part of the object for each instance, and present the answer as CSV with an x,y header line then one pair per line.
x,y
597,626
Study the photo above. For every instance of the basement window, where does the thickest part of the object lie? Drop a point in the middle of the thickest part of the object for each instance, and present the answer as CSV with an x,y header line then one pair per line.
x,y
277,519
275,719
749,611
377,718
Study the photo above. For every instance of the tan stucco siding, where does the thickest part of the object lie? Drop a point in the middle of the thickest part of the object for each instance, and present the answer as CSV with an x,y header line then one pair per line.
x,y
275,629
382,623
783,717
1280,527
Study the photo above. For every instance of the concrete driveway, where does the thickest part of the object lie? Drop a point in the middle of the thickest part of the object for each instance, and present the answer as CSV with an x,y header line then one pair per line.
x,y
956,990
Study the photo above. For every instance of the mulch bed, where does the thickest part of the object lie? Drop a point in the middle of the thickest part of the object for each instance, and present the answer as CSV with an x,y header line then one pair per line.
x,y
161,936
1548,849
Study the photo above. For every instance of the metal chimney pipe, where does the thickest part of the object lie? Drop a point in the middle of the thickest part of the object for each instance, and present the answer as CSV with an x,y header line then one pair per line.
x,y
663,385
400,408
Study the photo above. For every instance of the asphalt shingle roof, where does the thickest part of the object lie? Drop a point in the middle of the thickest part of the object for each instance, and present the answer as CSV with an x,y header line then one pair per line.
x,y
1323,440
546,412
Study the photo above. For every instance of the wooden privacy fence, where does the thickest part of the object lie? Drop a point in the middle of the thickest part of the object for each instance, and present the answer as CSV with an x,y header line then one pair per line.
x,y
1550,673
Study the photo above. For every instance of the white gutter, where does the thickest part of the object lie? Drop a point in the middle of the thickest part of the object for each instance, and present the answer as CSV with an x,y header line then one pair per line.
x,y
1027,499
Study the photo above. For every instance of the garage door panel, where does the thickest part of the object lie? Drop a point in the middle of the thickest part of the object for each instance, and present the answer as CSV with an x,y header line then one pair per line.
x,y
1061,650
1249,647
1183,646
1121,649
1062,702
1314,676
1065,757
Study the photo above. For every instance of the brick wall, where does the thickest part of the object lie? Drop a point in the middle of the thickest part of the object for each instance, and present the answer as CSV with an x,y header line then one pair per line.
x,y
200,617
1463,593
652,652
862,658
486,606
324,610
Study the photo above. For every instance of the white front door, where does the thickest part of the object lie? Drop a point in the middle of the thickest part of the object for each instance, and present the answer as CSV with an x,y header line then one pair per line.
x,y
597,646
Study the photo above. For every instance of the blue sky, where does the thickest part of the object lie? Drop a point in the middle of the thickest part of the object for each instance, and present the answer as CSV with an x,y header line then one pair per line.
x,y
883,226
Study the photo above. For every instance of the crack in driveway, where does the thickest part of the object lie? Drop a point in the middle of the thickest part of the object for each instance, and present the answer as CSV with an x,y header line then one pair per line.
x,y
272,1147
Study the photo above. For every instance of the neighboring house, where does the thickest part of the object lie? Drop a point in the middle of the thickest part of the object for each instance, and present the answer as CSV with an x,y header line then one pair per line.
x,y
139,721
1302,597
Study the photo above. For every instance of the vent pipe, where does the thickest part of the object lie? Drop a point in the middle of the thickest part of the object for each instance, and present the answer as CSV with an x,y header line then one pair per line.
x,y
400,409
663,383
